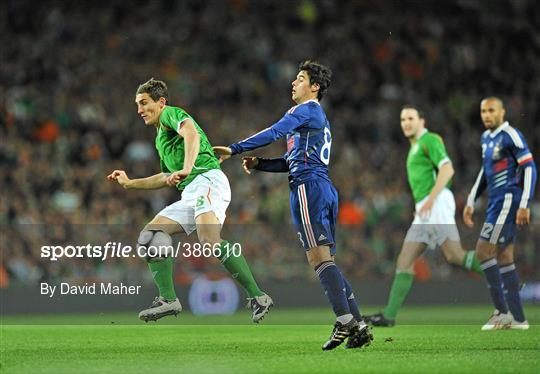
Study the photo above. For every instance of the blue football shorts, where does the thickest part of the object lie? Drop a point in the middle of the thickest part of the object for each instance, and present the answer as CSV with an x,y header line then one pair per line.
x,y
314,209
500,225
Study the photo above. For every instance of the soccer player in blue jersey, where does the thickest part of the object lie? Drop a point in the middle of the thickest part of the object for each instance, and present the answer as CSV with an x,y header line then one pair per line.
x,y
314,200
509,174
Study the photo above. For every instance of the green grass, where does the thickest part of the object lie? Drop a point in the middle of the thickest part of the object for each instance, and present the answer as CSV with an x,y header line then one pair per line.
x,y
428,339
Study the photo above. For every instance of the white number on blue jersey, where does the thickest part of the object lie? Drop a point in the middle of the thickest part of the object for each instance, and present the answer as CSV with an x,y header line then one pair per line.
x,y
325,150
486,230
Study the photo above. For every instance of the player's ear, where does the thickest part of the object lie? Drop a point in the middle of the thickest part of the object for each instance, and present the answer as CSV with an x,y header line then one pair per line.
x,y
162,102
315,87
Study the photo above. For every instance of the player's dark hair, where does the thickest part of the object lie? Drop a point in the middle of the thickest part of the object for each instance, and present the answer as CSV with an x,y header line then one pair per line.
x,y
420,113
155,89
318,73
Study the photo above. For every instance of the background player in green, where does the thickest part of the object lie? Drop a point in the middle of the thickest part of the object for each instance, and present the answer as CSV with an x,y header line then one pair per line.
x,y
187,162
429,171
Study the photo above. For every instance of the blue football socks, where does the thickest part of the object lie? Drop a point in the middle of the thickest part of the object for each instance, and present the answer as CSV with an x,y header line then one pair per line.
x,y
334,287
493,277
353,306
510,280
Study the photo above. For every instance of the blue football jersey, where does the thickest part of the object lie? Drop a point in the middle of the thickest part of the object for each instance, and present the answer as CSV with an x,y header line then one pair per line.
x,y
507,166
309,141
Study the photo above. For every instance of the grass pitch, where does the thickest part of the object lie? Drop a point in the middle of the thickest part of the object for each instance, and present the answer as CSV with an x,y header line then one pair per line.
x,y
428,339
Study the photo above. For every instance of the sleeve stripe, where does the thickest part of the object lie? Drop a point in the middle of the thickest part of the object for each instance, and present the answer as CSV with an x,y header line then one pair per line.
x,y
525,158
179,124
263,130
516,139
527,185
443,161
472,195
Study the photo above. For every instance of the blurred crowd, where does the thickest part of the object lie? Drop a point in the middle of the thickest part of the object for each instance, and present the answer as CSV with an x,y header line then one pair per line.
x,y
68,118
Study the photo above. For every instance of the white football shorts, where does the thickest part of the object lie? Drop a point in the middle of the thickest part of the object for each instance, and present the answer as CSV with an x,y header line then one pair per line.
x,y
208,192
439,226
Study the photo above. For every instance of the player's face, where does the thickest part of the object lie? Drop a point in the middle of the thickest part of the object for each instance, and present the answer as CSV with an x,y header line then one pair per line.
x,y
149,109
411,123
301,89
492,113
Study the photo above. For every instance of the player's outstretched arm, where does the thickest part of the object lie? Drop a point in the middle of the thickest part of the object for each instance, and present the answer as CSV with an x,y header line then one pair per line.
x,y
149,183
289,122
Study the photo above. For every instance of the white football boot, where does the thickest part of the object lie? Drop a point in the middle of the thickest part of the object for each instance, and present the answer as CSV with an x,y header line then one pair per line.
x,y
515,325
498,321
260,305
160,308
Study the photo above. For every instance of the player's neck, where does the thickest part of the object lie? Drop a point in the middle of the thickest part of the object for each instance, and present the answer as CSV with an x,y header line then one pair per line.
x,y
158,122
413,139
299,102
493,129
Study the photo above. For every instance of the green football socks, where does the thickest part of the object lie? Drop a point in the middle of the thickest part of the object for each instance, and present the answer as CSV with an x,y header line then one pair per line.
x,y
470,262
162,273
163,278
400,289
239,269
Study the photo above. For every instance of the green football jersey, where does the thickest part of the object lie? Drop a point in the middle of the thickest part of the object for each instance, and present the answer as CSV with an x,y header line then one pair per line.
x,y
170,146
424,159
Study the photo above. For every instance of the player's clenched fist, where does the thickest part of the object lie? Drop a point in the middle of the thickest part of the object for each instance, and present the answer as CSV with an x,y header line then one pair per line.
x,y
176,177
119,176
249,163
467,216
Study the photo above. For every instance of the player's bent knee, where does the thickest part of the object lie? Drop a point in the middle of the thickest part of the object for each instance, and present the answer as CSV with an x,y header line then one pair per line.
x,y
154,245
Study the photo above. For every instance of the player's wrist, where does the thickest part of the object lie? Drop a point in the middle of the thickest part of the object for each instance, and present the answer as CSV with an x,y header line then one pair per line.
x,y
234,149
256,163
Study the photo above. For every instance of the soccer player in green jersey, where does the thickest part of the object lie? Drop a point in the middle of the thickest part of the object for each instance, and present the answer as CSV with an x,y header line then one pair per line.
x,y
429,171
187,162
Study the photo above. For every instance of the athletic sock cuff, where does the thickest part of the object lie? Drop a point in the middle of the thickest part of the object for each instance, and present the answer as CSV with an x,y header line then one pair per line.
x,y
507,268
488,263
468,260
404,275
323,266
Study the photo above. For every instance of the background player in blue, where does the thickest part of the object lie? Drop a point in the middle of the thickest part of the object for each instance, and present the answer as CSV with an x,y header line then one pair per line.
x,y
314,200
509,173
